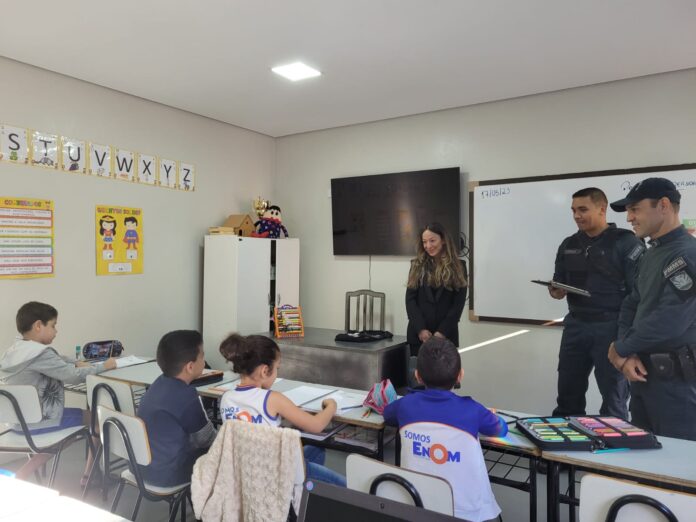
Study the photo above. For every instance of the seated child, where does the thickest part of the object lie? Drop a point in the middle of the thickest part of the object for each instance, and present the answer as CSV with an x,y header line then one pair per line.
x,y
256,359
177,426
31,360
439,431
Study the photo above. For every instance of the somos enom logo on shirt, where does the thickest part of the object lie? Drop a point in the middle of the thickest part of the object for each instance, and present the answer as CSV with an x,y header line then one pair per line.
x,y
437,453
235,413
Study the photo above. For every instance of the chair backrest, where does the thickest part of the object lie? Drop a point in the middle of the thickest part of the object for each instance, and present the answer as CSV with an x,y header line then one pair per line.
x,y
118,431
27,400
122,391
599,493
435,492
364,309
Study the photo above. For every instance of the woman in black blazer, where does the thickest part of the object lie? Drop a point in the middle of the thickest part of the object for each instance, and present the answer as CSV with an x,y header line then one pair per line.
x,y
436,289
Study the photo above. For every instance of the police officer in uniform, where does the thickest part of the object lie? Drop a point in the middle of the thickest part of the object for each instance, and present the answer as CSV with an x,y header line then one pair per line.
x,y
601,259
656,345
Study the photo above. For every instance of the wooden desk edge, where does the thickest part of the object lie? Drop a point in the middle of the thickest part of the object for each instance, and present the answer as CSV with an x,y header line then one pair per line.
x,y
625,472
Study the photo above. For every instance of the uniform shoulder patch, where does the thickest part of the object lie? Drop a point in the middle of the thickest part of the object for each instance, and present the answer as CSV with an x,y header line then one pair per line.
x,y
674,266
637,251
682,281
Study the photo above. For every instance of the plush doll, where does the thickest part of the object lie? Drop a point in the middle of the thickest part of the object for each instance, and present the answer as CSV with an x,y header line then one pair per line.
x,y
271,224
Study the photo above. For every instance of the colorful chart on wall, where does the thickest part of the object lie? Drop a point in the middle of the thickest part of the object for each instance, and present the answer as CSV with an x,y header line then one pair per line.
x,y
119,240
26,238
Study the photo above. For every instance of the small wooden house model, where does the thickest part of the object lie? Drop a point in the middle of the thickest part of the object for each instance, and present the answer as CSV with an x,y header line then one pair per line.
x,y
237,224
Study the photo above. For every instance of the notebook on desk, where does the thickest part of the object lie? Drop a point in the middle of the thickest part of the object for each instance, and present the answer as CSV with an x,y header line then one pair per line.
x,y
208,377
345,400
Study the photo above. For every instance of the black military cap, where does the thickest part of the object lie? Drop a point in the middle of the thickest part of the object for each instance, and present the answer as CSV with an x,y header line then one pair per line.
x,y
651,188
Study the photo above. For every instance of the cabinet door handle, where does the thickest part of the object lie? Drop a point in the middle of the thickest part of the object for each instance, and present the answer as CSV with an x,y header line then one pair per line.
x,y
278,299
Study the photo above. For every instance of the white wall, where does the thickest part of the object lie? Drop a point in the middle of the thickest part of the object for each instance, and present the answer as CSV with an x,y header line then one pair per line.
x,y
633,123
233,166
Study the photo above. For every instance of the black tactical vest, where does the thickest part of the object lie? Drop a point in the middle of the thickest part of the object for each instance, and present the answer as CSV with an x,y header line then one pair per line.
x,y
596,266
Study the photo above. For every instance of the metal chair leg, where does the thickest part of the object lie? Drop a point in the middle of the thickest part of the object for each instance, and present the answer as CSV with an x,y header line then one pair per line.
x,y
117,497
97,456
54,467
174,511
137,506
183,506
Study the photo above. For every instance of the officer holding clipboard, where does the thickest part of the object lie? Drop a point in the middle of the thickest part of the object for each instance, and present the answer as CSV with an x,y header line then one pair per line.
x,y
599,259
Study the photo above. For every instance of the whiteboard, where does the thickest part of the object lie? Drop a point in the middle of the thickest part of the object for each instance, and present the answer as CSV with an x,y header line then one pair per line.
x,y
516,226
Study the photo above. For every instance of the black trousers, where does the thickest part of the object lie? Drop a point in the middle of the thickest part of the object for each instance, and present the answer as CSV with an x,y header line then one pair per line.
x,y
666,408
585,345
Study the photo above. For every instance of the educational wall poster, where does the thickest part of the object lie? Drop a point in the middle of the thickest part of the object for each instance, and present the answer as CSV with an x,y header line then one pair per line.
x,y
14,145
44,150
74,157
100,160
26,238
167,173
187,177
125,167
119,240
147,169
54,151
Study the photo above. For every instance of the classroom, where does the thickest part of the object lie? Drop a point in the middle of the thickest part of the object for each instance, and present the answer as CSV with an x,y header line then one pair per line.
x,y
502,91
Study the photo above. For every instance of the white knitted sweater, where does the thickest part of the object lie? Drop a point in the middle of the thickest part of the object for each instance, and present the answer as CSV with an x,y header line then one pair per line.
x,y
250,474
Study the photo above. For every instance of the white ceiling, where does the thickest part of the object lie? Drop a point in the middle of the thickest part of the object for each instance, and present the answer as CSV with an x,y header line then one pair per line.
x,y
380,58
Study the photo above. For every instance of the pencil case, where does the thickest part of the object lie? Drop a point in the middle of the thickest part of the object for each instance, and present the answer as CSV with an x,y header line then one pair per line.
x,y
555,434
615,432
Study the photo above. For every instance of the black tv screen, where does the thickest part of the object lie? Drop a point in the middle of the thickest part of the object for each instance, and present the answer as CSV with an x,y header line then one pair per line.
x,y
382,214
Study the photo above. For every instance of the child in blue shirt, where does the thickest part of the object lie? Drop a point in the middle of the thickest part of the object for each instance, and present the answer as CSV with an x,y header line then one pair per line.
x,y
256,359
439,431
177,427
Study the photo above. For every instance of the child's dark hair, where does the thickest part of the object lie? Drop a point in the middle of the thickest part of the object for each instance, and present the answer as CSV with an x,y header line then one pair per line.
x,y
176,349
439,363
130,219
34,311
246,353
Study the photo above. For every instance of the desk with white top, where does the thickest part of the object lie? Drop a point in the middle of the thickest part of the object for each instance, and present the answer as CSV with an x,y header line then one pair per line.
x,y
145,374
21,501
671,467
505,454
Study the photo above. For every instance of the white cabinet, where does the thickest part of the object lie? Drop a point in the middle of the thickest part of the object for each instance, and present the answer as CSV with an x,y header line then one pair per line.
x,y
287,272
243,278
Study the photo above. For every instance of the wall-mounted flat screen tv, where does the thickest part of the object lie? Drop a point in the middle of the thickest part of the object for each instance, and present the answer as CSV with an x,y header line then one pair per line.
x,y
382,214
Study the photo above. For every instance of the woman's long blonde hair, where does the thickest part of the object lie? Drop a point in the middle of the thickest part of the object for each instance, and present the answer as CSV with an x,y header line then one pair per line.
x,y
445,270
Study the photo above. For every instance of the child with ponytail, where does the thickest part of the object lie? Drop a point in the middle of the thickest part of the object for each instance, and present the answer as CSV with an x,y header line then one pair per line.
x,y
256,359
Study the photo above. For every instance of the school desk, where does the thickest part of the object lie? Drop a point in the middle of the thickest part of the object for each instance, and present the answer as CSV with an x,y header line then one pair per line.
x,y
22,501
671,467
512,460
145,374
352,417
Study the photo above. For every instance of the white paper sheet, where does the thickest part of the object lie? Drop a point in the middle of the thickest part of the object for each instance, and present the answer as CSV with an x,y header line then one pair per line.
x,y
129,360
304,394
344,400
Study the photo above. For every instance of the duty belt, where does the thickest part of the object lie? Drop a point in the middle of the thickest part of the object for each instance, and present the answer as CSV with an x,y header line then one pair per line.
x,y
675,364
